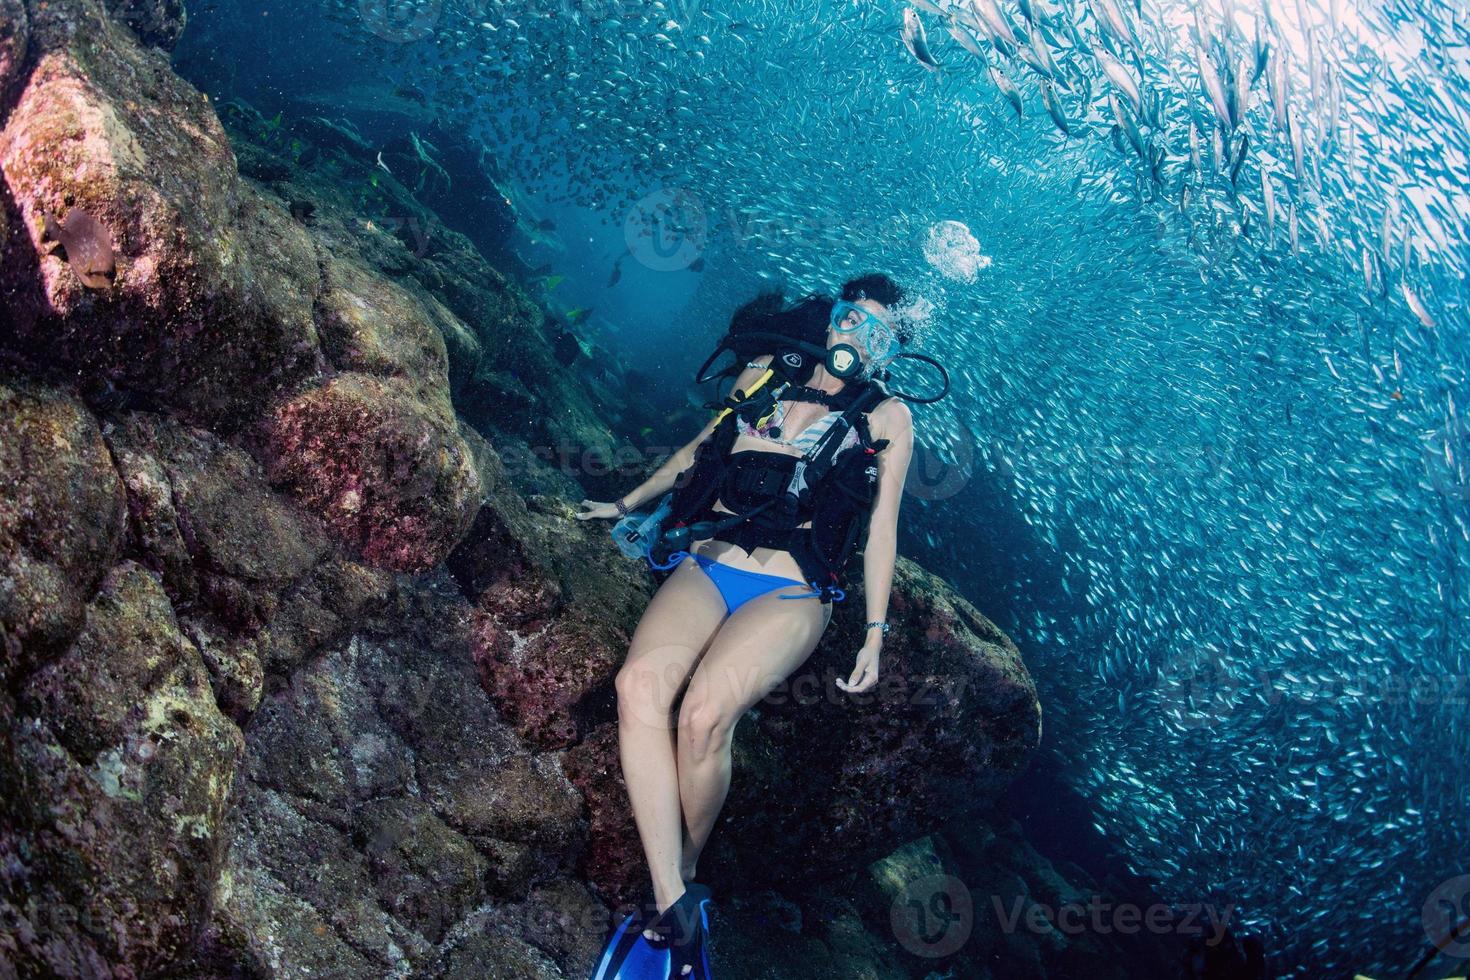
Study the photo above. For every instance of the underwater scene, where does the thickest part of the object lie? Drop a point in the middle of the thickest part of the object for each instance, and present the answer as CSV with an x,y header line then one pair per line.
x,y
427,427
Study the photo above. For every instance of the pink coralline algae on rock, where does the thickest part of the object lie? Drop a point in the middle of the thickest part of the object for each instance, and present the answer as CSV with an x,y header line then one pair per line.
x,y
386,472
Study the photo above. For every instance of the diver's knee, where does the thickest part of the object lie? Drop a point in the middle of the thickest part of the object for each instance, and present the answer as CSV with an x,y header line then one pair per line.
x,y
640,687
706,723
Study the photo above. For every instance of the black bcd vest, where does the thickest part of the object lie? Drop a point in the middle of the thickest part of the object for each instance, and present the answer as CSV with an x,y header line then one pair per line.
x,y
772,493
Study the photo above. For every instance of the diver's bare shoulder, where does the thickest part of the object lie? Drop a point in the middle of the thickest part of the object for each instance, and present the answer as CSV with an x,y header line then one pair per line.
x,y
891,419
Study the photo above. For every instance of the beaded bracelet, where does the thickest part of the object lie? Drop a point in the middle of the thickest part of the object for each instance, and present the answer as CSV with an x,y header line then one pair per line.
x,y
881,625
622,510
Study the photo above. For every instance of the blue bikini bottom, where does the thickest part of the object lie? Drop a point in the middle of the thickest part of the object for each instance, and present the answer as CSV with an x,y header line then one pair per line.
x,y
738,586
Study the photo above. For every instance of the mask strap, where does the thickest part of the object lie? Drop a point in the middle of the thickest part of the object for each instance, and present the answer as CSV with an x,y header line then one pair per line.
x,y
915,398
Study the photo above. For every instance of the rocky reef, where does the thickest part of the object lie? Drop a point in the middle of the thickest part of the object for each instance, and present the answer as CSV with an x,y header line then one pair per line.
x,y
305,666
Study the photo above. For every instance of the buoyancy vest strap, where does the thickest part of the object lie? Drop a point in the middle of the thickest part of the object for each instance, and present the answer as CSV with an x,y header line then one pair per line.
x,y
745,395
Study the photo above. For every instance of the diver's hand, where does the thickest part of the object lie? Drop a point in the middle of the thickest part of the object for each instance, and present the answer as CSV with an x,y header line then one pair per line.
x,y
865,672
596,509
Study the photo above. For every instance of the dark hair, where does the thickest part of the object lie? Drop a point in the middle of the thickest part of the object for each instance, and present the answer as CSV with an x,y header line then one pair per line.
x,y
875,286
880,288
805,319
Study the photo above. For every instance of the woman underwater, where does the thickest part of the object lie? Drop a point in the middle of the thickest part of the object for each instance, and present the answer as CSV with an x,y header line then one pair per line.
x,y
745,606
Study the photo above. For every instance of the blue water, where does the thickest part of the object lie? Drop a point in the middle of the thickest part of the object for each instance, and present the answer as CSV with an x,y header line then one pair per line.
x,y
1206,450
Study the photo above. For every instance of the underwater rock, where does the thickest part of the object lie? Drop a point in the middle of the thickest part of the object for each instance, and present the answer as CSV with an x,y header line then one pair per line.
x,y
554,609
211,307
62,519
156,22
236,672
320,610
387,473
425,874
385,762
117,768
971,899
461,343
369,323
14,33
226,546
503,373
498,955
208,521
613,862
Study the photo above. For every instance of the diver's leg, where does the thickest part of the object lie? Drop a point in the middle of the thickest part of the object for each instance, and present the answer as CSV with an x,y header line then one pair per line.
x,y
758,647
679,621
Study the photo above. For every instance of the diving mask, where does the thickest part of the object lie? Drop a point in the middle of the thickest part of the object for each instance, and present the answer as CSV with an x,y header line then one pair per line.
x,y
868,329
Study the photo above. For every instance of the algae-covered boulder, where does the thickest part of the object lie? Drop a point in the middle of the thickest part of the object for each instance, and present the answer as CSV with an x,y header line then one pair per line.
x,y
371,324
226,546
209,306
424,819
386,471
61,519
320,609
157,22
209,522
14,33
555,606
117,767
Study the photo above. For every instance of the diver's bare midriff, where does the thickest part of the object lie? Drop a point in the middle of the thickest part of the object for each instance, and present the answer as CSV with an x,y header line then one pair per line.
x,y
768,561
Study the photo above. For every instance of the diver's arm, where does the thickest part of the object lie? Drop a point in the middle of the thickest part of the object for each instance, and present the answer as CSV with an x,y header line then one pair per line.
x,y
663,478
880,550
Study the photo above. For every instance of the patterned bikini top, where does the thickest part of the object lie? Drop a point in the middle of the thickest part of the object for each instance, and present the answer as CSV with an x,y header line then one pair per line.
x,y
805,439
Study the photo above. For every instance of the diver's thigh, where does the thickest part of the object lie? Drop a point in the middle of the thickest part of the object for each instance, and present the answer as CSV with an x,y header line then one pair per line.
x,y
680,619
755,649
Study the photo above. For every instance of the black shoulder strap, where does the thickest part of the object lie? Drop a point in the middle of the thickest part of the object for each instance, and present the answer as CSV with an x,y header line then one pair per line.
x,y
821,456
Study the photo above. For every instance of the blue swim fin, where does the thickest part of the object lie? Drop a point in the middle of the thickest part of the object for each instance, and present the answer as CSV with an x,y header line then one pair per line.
x,y
682,929
628,955
701,957
685,941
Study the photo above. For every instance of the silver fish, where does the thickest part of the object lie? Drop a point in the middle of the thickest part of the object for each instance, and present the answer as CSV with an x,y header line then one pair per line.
x,y
1210,82
1269,199
1416,305
962,34
1120,77
1007,88
1111,17
1297,149
1054,107
990,14
916,40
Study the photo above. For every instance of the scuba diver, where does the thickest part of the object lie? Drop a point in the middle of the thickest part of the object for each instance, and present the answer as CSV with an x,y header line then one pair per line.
x,y
757,518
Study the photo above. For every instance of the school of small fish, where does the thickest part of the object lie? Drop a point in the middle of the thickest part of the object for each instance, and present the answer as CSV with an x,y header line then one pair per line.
x,y
1219,345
